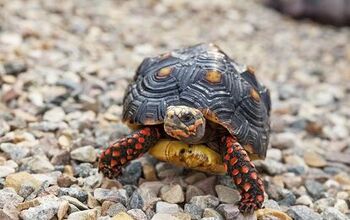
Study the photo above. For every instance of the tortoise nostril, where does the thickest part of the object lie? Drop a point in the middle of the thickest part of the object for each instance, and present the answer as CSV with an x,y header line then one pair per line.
x,y
182,151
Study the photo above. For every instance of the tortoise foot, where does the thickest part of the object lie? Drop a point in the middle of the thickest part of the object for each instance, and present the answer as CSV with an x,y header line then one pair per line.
x,y
126,149
244,175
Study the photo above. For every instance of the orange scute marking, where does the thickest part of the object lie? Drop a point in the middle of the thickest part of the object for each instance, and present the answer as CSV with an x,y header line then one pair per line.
x,y
235,172
260,198
246,187
245,169
227,157
233,161
135,136
164,72
255,95
130,141
108,151
230,150
213,76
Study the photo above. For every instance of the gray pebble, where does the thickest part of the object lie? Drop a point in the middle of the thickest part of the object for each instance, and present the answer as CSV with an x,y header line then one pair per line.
x,y
301,212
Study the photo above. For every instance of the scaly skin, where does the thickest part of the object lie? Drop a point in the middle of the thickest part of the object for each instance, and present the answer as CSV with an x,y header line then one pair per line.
x,y
126,149
244,175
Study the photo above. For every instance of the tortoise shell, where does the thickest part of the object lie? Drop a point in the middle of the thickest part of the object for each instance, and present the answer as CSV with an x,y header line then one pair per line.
x,y
203,77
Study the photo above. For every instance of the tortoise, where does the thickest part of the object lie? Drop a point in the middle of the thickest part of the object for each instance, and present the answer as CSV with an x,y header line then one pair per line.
x,y
198,96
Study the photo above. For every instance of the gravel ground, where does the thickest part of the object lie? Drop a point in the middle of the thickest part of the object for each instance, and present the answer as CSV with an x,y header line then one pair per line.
x,y
63,70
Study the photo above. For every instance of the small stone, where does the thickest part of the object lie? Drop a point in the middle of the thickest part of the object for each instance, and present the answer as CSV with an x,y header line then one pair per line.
x,y
153,187
15,67
314,160
131,174
16,180
5,171
136,201
137,214
26,189
83,215
66,181
203,202
9,196
272,167
342,178
321,204
164,207
119,195
92,202
5,216
115,208
283,140
228,211
342,195
271,204
149,172
207,185
28,204
75,202
73,192
271,214
83,170
172,194
62,210
195,177
194,210
15,152
163,216
46,210
122,216
61,158
314,188
54,115
227,195
341,205
304,200
182,216
333,214
301,212
192,191
274,154
38,164
84,154
209,212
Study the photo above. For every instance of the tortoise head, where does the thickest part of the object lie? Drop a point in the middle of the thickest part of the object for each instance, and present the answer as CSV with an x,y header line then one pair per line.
x,y
184,123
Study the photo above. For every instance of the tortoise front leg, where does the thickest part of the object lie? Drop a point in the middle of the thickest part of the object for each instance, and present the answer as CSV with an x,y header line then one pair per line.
x,y
244,175
126,149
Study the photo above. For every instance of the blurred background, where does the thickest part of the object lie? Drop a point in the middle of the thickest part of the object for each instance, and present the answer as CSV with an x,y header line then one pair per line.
x,y
64,67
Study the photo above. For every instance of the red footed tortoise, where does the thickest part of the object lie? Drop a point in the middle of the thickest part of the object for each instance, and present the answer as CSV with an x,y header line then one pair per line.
x,y
197,95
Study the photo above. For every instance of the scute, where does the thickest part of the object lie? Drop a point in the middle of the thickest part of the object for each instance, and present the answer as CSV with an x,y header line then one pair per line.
x,y
203,77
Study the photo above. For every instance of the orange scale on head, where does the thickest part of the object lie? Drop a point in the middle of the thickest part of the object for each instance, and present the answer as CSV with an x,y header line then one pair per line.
x,y
141,140
260,198
254,176
238,180
114,163
116,153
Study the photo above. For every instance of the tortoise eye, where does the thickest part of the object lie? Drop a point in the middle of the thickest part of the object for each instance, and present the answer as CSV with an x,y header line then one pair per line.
x,y
187,117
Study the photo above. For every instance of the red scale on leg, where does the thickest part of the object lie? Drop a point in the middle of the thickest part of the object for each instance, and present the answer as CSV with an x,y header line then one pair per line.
x,y
244,174
127,149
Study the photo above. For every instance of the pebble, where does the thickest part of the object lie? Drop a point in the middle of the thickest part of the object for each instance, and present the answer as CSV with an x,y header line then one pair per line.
x,y
137,214
119,195
333,214
301,212
207,185
131,174
165,207
38,164
228,211
9,195
75,202
66,181
5,171
16,180
83,215
15,67
122,216
62,210
314,188
341,205
321,204
209,212
227,195
55,115
46,210
149,172
172,194
207,201
84,154
304,200
15,152
272,167
73,192
136,201
114,209
192,191
195,211
27,204
163,216
314,160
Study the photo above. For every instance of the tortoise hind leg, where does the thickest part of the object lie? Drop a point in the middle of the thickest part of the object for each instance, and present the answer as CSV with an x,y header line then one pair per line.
x,y
244,175
126,149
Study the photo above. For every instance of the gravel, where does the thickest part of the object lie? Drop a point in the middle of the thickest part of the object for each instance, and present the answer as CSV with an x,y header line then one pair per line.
x,y
64,69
